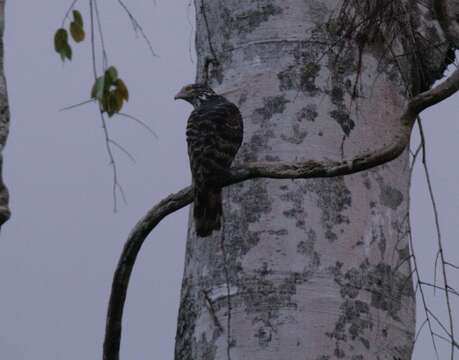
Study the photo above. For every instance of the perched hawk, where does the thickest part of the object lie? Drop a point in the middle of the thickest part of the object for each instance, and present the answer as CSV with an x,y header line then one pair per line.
x,y
214,135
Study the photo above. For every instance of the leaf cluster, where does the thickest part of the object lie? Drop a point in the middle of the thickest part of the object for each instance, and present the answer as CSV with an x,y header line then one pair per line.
x,y
61,43
110,91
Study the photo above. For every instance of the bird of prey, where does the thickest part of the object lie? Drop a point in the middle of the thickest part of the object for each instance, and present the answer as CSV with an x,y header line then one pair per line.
x,y
214,135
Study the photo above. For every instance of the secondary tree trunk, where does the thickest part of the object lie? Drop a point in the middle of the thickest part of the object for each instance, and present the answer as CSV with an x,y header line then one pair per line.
x,y
4,121
309,269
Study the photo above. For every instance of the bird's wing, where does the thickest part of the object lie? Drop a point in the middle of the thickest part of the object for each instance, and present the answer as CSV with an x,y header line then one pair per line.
x,y
214,134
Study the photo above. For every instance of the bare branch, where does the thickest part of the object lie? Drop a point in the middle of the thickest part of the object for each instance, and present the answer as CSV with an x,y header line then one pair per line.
x,y
126,263
452,265
423,297
274,170
420,330
439,240
101,35
450,27
77,105
416,269
431,195
439,323
140,122
137,27
453,343
123,149
72,5
93,42
116,186
454,292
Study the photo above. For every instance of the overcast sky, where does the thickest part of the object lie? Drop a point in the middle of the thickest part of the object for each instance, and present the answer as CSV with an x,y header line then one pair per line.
x,y
59,250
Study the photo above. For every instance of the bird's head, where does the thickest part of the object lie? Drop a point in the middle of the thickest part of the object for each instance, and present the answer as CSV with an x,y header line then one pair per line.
x,y
195,94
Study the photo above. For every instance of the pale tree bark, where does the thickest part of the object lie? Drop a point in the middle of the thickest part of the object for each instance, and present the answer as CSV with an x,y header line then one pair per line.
x,y
310,269
4,121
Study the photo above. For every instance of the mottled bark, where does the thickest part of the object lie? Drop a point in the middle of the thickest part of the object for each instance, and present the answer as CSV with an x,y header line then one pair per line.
x,y
447,12
4,121
309,269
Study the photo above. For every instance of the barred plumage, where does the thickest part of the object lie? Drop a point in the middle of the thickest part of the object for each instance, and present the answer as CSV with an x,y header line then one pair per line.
x,y
214,134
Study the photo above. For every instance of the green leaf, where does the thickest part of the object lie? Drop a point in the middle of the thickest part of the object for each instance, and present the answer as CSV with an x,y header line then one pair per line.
x,y
117,101
66,52
97,91
110,103
77,32
60,39
122,89
110,92
77,18
61,44
111,75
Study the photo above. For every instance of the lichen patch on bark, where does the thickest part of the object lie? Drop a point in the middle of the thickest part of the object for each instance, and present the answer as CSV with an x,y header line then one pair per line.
x,y
386,286
333,198
391,197
271,106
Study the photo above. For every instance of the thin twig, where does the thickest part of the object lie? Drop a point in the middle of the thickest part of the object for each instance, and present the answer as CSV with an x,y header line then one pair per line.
x,y
101,35
116,186
452,265
77,105
93,44
439,239
419,331
112,163
435,317
123,149
416,268
137,27
140,122
123,194
454,292
415,156
423,297
72,5
432,198
453,343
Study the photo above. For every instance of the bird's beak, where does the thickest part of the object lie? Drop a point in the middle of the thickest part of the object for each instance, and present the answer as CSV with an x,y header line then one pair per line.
x,y
180,95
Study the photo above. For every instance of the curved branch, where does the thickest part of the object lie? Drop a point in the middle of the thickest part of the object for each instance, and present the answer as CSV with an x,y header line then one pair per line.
x,y
126,262
274,170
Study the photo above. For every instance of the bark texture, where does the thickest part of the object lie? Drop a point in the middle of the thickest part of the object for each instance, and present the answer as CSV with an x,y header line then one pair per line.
x,y
4,122
309,269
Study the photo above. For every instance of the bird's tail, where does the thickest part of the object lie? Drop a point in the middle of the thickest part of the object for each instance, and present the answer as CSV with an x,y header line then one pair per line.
x,y
207,211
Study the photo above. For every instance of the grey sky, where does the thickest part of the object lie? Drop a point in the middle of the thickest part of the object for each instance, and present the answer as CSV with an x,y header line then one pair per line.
x,y
59,250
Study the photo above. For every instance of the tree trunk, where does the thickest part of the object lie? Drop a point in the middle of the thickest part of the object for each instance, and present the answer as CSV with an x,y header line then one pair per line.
x,y
4,121
309,269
